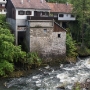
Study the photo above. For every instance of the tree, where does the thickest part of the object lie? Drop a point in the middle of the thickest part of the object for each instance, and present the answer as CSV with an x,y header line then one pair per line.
x,y
70,47
81,8
9,53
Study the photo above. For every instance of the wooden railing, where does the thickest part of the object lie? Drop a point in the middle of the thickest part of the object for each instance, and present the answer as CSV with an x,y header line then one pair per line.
x,y
39,18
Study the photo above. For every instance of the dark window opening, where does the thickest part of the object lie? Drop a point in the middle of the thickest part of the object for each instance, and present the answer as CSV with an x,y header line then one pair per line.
x,y
72,15
21,12
21,39
59,35
28,12
64,24
4,10
45,30
43,13
61,15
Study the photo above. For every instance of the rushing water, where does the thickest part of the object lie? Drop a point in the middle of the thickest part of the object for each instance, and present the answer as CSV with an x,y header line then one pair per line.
x,y
49,78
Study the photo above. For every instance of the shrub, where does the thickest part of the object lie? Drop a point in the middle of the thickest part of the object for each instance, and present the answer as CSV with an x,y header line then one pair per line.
x,y
32,58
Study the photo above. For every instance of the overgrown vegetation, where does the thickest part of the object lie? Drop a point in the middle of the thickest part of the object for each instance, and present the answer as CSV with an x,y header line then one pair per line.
x,y
77,86
80,29
71,50
58,1
10,54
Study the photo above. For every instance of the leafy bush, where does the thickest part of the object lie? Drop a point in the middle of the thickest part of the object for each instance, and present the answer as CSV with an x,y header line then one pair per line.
x,y
6,67
33,58
83,51
77,86
9,53
70,46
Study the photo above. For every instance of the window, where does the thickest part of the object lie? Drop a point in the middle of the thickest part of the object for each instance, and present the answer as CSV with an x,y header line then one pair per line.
x,y
28,12
43,13
45,30
72,15
59,35
61,15
21,12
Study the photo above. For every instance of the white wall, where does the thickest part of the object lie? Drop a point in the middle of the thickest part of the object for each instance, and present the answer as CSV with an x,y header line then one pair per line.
x,y
66,17
2,12
2,1
25,16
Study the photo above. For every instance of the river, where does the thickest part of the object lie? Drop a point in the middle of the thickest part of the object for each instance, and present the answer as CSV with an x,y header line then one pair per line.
x,y
49,78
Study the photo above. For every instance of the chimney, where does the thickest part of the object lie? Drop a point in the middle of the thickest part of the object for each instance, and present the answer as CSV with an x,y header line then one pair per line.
x,y
41,1
21,1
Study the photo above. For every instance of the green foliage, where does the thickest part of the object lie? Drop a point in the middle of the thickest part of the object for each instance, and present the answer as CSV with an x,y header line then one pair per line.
x,y
5,67
70,47
83,51
9,53
83,14
59,1
77,86
75,30
87,36
3,23
33,58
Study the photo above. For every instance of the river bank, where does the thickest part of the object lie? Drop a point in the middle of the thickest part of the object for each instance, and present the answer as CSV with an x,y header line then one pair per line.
x,y
49,78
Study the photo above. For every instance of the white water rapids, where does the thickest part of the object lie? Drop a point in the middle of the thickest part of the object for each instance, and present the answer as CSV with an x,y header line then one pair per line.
x,y
49,78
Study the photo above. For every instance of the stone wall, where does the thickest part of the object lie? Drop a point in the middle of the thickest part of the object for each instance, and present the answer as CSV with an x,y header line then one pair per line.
x,y
47,43
41,23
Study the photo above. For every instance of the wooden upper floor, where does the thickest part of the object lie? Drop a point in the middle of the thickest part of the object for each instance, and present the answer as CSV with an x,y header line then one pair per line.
x,y
21,9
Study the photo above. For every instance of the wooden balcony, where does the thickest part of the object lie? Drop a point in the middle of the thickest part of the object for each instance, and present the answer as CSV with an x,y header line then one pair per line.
x,y
39,18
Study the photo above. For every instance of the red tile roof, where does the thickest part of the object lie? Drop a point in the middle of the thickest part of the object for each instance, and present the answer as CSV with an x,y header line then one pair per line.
x,y
62,8
33,4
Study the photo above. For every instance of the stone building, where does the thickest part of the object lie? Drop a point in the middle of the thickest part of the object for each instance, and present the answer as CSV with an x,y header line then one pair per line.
x,y
30,20
47,38
62,13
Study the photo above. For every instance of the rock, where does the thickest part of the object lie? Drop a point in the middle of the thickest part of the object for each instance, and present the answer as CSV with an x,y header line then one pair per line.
x,y
83,88
60,88
88,80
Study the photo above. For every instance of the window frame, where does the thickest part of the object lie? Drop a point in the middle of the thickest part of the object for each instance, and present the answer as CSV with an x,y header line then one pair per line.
x,y
21,11
72,16
61,15
59,35
45,30
30,12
